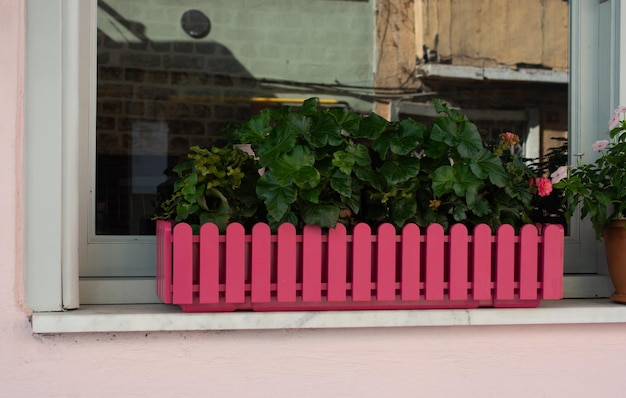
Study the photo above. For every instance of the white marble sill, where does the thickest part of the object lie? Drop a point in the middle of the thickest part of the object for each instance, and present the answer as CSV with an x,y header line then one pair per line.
x,y
160,317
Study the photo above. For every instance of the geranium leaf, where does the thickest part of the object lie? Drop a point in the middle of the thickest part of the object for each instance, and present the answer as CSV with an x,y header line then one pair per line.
x,y
256,129
459,213
325,216
346,119
297,167
463,136
466,184
281,140
360,153
407,137
354,200
400,170
444,130
311,194
481,207
489,165
344,161
297,124
444,108
309,106
470,145
402,210
341,183
443,180
371,126
401,138
323,130
369,176
277,198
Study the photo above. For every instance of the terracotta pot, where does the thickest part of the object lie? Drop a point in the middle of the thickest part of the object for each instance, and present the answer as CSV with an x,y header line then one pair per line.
x,y
615,246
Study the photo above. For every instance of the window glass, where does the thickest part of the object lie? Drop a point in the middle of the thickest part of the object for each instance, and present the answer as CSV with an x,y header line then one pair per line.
x,y
506,66
176,74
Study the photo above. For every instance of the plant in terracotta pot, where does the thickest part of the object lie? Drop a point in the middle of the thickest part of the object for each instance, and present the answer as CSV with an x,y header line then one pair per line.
x,y
600,189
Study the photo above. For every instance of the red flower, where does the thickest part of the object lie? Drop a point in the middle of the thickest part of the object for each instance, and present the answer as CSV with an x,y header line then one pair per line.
x,y
544,186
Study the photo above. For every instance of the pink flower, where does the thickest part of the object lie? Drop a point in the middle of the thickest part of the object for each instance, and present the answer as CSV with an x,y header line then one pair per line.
x,y
509,138
600,145
559,174
544,186
615,119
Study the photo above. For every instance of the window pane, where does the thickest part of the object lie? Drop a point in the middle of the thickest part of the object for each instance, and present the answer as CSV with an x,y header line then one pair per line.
x,y
176,74
506,66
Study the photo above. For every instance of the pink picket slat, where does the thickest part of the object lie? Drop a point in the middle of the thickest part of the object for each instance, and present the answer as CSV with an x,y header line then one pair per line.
x,y
411,249
362,263
434,282
337,263
311,263
505,263
458,245
261,263
235,263
286,263
481,260
528,272
183,264
164,261
552,252
386,263
209,261
261,271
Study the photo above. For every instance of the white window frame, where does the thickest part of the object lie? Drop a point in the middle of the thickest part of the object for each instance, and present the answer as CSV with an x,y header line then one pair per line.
x,y
59,84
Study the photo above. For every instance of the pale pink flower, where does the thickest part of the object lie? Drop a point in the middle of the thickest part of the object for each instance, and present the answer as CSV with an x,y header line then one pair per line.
x,y
600,145
544,186
614,121
559,174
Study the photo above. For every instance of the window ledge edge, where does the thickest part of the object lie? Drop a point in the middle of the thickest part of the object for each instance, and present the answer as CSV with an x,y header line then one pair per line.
x,y
160,317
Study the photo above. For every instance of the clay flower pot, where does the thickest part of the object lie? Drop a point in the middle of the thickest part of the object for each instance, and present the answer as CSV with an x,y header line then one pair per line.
x,y
615,245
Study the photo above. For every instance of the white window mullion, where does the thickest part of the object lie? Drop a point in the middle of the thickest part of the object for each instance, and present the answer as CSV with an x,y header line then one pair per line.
x,y
43,142
56,77
75,123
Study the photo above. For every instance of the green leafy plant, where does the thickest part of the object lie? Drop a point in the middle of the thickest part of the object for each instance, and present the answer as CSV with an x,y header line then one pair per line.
x,y
599,187
322,166
214,185
462,181
321,163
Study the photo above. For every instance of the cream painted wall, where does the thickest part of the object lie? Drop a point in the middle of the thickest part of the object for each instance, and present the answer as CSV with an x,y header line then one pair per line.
x,y
533,361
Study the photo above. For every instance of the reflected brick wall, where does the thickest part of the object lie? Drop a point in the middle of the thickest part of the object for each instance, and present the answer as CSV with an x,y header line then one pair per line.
x,y
179,84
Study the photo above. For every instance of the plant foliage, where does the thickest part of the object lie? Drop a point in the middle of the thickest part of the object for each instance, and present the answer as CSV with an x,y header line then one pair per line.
x,y
599,187
323,166
214,185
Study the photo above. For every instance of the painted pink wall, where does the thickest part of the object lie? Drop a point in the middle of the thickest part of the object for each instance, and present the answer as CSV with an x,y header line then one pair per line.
x,y
532,361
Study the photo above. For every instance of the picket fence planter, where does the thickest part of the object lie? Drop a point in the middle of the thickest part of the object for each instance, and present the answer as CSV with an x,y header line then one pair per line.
x,y
335,271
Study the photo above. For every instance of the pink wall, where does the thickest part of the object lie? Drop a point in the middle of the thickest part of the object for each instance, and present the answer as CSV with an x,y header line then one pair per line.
x,y
532,361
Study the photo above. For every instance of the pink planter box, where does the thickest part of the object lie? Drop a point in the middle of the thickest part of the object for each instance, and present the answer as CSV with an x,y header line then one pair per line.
x,y
336,271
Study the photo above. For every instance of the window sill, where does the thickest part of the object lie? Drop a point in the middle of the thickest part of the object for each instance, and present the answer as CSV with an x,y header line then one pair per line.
x,y
159,317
